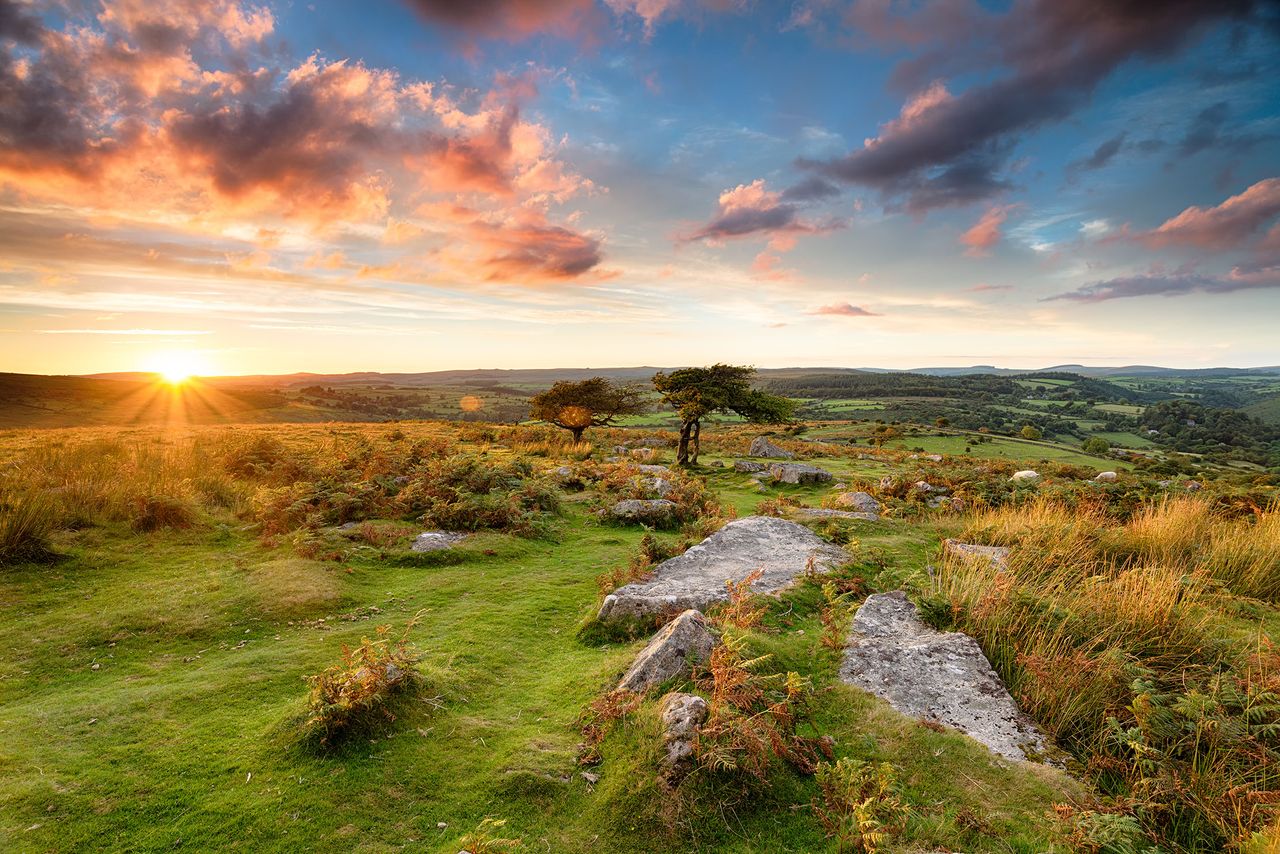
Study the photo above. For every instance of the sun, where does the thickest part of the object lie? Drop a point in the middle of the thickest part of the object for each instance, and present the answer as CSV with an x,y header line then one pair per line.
x,y
176,367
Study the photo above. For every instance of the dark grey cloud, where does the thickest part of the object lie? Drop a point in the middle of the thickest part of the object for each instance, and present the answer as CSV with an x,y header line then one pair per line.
x,y
1170,285
18,23
956,149
811,189
1101,156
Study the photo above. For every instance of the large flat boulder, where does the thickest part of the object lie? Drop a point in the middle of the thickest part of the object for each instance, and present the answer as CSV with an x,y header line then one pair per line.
x,y
674,650
823,513
799,473
762,447
647,511
696,579
938,676
863,502
435,541
748,466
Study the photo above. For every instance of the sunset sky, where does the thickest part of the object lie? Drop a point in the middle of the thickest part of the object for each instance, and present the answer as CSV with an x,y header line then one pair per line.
x,y
414,185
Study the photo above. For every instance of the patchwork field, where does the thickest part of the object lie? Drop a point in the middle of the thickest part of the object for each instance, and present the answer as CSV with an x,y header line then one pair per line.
x,y
167,593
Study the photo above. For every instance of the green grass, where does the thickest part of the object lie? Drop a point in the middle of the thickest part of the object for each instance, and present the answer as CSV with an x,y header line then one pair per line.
x,y
1003,447
185,734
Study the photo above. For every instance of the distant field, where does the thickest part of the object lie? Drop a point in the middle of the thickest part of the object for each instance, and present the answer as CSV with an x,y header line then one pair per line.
x,y
1127,440
1001,447
1121,408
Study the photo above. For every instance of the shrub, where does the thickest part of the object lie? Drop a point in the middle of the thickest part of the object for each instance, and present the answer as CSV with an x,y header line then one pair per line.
x,y
743,610
861,806
358,693
154,512
26,521
753,719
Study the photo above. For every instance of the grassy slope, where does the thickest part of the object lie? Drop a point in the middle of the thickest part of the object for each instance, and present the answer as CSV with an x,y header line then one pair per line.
x,y
182,734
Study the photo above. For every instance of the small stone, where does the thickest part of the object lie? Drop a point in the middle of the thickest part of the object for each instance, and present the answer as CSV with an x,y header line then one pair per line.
x,y
682,714
997,556
591,777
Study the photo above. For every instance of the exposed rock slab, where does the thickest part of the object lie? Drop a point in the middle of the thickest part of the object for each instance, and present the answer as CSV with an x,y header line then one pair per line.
x,y
682,714
863,502
762,447
939,676
652,510
435,541
799,473
823,513
998,556
696,579
748,466
685,641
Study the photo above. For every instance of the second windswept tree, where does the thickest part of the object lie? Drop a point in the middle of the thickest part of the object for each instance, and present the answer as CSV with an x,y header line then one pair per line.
x,y
575,406
698,392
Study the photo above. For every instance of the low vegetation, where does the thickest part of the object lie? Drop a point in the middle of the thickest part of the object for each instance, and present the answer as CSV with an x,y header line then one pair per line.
x,y
224,588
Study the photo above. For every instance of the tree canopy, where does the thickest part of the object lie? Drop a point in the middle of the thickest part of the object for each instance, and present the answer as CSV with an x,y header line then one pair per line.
x,y
575,406
698,392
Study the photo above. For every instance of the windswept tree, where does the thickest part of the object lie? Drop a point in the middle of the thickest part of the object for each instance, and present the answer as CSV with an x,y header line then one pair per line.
x,y
698,392
575,406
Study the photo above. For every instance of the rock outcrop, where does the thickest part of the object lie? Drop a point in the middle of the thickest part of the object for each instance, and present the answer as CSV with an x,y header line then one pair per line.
x,y
682,714
696,579
762,447
650,511
435,541
938,676
748,466
674,650
823,513
798,473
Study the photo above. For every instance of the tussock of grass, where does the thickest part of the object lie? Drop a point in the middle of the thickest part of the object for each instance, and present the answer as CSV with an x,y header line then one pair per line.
x,y
1108,634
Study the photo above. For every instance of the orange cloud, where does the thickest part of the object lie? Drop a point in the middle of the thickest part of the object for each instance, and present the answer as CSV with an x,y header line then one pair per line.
x,y
985,233
331,146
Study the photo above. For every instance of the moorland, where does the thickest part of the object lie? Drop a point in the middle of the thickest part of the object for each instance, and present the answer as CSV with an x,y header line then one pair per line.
x,y
220,635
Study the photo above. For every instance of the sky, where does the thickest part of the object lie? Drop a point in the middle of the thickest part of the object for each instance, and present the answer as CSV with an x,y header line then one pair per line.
x,y
239,187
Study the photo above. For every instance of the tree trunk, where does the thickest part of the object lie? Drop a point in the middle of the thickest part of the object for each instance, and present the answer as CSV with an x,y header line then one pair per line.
x,y
577,434
682,453
697,441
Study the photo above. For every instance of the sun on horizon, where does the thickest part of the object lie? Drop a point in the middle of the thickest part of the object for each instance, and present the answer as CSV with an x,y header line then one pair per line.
x,y
177,367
